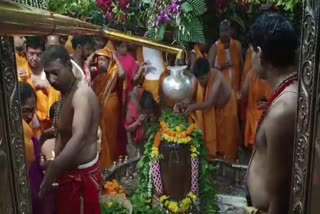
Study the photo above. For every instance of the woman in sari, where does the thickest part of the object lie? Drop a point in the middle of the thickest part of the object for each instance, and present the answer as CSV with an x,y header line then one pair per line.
x,y
110,86
32,149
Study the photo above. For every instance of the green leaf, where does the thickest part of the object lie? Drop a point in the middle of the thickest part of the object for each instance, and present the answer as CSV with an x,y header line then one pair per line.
x,y
193,32
160,33
199,6
186,7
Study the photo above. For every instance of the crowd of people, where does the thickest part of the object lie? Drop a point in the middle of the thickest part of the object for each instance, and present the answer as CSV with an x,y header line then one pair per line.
x,y
87,100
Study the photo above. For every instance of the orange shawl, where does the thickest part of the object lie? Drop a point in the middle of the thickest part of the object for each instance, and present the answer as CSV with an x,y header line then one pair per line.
x,y
28,143
205,120
247,66
258,90
235,53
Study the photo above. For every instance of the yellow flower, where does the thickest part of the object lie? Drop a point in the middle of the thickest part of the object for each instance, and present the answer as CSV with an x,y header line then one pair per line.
x,y
178,128
163,198
148,201
194,155
154,152
192,196
110,204
193,149
185,204
173,207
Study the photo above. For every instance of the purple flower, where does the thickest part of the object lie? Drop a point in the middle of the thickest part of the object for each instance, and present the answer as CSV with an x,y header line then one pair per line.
x,y
164,17
174,8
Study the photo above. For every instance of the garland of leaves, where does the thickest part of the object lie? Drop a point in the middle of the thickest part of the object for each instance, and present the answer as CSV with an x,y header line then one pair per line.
x,y
141,200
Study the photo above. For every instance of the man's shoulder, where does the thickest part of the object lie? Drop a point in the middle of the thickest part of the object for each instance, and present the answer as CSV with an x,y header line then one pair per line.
x,y
83,92
282,112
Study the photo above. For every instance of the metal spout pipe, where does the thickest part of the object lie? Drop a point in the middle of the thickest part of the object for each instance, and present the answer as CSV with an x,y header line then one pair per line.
x,y
17,19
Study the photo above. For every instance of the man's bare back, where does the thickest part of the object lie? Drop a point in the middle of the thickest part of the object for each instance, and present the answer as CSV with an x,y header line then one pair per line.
x,y
79,115
269,173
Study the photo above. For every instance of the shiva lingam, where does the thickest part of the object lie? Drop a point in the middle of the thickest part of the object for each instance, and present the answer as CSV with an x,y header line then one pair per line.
x,y
176,164
172,174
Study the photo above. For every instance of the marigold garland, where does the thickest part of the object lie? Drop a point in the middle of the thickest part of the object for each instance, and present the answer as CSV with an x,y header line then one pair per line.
x,y
114,188
150,173
180,137
182,206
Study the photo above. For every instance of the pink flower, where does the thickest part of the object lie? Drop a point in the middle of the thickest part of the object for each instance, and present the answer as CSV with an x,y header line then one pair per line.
x,y
104,4
124,4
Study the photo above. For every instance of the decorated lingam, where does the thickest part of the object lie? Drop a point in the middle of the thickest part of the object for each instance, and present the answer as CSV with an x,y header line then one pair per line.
x,y
174,173
175,176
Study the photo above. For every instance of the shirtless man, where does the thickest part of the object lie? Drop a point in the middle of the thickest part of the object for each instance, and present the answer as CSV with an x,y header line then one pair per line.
x,y
75,166
219,113
269,174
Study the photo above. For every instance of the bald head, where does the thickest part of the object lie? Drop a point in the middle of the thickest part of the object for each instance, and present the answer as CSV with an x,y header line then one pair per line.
x,y
53,40
225,30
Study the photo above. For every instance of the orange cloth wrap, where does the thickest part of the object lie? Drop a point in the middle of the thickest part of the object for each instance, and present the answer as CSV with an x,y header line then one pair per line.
x,y
258,90
235,59
28,143
205,120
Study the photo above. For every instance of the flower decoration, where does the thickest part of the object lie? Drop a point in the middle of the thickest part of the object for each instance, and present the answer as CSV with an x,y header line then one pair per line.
x,y
114,188
202,192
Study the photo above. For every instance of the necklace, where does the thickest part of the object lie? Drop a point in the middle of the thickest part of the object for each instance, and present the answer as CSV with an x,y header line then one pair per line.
x,y
291,78
61,102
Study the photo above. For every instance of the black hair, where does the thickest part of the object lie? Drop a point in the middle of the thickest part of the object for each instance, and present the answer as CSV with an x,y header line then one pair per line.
x,y
35,42
201,67
147,101
56,52
81,40
26,92
52,110
277,38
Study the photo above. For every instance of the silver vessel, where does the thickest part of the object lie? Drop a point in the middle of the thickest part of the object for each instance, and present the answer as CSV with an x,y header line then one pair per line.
x,y
178,87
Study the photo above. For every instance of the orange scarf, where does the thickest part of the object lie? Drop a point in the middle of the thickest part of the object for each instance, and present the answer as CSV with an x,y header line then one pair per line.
x,y
105,83
234,81
247,66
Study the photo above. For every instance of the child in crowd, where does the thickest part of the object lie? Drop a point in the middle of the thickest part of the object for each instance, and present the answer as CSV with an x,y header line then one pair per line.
x,y
142,112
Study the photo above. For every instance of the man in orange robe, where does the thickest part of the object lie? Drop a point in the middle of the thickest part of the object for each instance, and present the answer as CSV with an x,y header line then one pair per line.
x,y
257,91
109,86
226,55
217,100
46,94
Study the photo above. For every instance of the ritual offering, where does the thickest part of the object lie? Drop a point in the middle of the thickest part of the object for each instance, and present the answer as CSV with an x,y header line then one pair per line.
x,y
175,176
